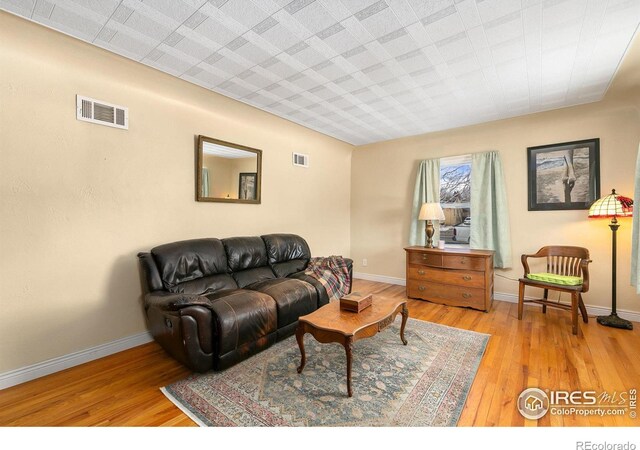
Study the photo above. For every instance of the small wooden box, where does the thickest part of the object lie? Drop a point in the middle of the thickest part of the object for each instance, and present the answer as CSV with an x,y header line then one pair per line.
x,y
355,302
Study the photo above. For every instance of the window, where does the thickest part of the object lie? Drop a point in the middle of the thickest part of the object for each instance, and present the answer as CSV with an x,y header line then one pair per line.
x,y
455,198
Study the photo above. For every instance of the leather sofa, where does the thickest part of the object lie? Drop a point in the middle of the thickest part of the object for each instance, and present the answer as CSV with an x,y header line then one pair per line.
x,y
211,303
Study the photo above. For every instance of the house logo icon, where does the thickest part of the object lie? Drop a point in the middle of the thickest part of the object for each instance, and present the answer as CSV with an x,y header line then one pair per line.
x,y
533,403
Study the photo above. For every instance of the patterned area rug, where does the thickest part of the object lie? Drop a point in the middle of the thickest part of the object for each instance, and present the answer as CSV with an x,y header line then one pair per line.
x,y
424,383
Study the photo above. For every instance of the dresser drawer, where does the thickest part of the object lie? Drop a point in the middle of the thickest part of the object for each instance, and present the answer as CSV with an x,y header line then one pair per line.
x,y
425,259
462,278
463,262
447,294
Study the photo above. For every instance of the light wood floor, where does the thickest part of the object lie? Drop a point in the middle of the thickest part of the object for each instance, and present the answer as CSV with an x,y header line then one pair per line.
x,y
539,351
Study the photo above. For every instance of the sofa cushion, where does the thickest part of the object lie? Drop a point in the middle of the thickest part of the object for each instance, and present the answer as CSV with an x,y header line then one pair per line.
x,y
284,247
242,316
294,298
248,260
323,297
284,269
288,253
249,276
205,285
245,253
183,261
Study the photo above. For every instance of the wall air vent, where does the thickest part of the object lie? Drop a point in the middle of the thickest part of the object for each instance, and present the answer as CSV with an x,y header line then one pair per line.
x,y
102,113
300,160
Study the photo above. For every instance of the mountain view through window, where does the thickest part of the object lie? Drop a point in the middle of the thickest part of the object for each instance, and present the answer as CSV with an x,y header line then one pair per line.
x,y
455,198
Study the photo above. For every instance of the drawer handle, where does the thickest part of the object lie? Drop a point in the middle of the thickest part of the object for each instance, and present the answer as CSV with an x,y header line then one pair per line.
x,y
420,272
425,256
421,288
463,260
466,278
466,295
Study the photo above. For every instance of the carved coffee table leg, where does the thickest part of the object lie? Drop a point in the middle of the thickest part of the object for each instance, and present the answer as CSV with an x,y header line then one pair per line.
x,y
348,345
300,338
405,316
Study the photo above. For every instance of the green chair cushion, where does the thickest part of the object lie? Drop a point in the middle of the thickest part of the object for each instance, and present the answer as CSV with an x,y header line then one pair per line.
x,y
565,280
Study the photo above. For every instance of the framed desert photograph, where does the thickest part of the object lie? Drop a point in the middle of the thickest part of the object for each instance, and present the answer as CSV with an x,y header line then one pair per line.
x,y
247,186
564,176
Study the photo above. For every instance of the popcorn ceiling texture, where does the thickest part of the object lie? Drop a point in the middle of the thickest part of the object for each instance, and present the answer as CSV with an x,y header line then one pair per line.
x,y
368,70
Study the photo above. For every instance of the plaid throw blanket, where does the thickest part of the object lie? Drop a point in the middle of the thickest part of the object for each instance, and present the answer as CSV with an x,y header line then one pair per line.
x,y
332,273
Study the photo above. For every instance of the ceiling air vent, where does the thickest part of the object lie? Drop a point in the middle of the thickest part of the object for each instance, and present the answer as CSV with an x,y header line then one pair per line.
x,y
301,160
103,113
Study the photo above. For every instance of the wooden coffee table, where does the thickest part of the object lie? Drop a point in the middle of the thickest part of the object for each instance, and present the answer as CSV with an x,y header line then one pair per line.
x,y
332,324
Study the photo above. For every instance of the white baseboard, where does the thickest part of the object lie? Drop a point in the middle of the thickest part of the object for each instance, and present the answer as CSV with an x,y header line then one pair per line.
x,y
505,297
50,366
380,278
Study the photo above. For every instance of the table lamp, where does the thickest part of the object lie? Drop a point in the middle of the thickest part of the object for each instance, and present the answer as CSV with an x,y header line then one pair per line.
x,y
430,212
613,206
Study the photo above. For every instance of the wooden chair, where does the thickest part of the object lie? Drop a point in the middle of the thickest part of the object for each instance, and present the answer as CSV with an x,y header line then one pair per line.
x,y
561,260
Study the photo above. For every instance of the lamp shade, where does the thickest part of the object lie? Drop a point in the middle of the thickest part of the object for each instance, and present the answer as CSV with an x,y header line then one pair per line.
x,y
612,205
431,211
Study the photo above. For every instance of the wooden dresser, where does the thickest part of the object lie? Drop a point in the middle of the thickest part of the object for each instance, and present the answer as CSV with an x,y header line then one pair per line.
x,y
455,277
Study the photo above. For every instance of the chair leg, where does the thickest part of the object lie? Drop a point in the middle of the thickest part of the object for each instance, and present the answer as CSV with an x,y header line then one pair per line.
x,y
546,297
583,309
574,312
520,301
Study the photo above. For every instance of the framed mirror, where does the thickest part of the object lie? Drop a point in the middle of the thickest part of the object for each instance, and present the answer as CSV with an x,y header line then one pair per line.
x,y
227,172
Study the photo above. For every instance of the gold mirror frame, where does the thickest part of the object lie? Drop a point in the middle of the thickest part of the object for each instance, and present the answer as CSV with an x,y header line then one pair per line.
x,y
200,164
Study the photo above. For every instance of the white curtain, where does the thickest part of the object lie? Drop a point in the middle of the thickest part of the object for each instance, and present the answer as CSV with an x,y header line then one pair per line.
x,y
427,190
635,256
489,209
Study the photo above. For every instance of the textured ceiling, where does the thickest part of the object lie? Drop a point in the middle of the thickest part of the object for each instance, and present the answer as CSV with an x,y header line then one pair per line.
x,y
364,70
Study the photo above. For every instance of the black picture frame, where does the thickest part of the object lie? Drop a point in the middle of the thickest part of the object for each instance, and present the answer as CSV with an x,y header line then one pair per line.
x,y
247,185
551,168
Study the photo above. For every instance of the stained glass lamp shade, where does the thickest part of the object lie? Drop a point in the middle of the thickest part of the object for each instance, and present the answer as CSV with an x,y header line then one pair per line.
x,y
613,205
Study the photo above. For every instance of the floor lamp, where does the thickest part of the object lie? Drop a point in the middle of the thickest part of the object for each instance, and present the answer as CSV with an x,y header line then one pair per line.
x,y
613,206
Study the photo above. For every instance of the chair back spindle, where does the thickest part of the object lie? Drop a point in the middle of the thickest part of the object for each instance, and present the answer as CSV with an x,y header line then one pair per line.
x,y
564,265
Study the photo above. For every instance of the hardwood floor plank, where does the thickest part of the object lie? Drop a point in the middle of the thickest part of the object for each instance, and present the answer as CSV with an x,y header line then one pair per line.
x,y
538,351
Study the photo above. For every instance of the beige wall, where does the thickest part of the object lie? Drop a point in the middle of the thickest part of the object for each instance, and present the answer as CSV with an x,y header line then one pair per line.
x,y
383,177
79,200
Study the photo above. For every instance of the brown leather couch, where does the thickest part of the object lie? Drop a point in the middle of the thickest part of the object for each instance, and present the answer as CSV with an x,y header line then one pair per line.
x,y
212,303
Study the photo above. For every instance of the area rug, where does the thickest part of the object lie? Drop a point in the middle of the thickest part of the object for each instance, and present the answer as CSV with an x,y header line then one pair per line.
x,y
424,383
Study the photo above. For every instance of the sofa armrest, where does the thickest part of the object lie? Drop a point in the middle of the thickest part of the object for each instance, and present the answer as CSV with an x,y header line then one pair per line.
x,y
169,301
183,325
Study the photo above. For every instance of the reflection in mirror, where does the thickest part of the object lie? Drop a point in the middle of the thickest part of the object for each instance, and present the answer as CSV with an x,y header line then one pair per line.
x,y
227,172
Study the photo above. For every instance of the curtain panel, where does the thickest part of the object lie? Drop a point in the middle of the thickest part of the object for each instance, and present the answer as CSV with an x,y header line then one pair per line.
x,y
205,182
489,209
635,257
427,190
